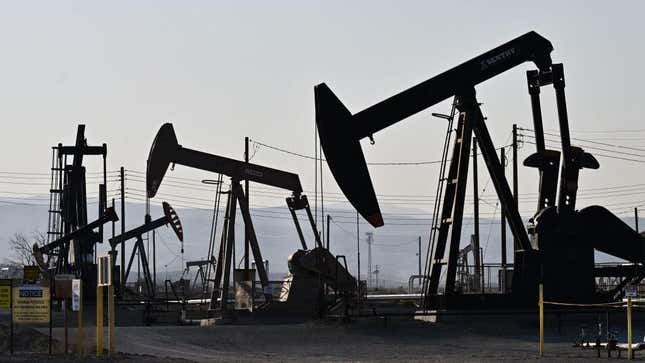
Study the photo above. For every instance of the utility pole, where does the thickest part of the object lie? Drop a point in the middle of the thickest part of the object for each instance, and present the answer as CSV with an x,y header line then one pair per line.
x,y
636,218
376,273
503,279
113,223
479,273
419,254
515,183
369,236
316,176
358,260
322,193
358,248
154,261
246,191
122,174
328,220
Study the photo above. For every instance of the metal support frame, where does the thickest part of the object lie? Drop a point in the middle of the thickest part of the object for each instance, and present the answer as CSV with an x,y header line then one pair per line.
x,y
548,161
452,211
200,271
479,274
494,169
227,244
219,268
301,202
170,217
147,277
109,216
545,160
228,252
502,157
298,228
238,194
573,158
246,191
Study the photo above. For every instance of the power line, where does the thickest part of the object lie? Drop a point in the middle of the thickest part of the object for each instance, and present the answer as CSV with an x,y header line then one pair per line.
x,y
605,131
601,155
317,159
585,140
390,163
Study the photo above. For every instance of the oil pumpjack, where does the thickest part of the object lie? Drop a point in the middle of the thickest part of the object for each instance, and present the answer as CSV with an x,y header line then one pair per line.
x,y
560,253
171,218
71,240
311,270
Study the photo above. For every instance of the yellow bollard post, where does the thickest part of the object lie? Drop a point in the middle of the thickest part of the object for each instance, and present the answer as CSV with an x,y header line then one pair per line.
x,y
99,321
629,327
541,303
111,319
80,341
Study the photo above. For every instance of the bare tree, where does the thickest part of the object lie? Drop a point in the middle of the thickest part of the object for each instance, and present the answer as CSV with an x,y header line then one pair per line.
x,y
22,247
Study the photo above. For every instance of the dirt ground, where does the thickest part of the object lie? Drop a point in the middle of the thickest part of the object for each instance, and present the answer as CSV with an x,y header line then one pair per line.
x,y
463,340
32,345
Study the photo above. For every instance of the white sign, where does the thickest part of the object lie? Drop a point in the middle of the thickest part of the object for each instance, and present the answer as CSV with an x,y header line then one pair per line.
x,y
76,294
105,270
631,291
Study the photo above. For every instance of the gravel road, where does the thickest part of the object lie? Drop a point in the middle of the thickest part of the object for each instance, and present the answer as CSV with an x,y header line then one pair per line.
x,y
466,340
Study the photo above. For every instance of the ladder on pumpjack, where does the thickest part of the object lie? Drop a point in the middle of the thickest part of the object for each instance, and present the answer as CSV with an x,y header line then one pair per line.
x,y
54,224
441,188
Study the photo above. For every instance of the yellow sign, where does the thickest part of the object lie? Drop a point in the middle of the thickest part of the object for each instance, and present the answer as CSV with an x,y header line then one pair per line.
x,y
31,273
31,304
5,294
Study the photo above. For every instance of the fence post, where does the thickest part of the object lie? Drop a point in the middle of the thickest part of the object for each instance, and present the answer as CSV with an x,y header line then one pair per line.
x,y
99,321
111,321
629,328
80,338
541,303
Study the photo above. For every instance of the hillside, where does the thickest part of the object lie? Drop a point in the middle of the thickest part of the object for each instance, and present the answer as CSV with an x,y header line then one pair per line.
x,y
394,248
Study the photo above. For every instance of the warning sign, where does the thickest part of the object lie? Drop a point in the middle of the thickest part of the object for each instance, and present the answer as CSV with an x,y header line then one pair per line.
x,y
31,304
76,294
31,273
5,294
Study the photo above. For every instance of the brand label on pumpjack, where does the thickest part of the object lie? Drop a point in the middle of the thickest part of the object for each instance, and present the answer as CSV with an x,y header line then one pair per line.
x,y
496,58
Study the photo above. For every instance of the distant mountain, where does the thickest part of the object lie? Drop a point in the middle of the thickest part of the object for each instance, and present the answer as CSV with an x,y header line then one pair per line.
x,y
394,247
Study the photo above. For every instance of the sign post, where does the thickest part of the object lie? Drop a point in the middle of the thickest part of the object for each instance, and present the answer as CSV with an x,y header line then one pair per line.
x,y
631,291
11,318
104,280
111,341
63,292
541,304
629,328
77,305
51,323
99,321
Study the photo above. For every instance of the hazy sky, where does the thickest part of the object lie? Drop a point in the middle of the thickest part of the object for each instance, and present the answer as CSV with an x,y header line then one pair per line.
x,y
221,71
